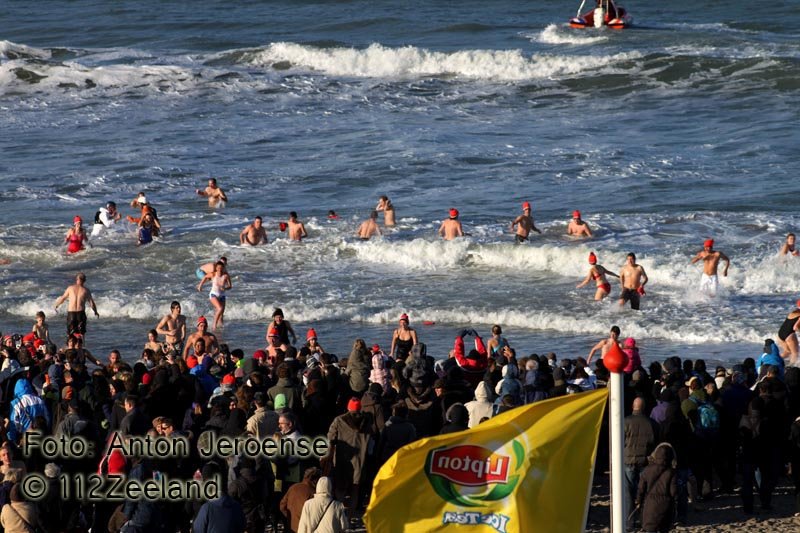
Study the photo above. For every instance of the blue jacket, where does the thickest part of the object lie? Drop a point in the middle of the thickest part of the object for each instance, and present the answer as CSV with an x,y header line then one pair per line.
x,y
223,515
25,407
773,358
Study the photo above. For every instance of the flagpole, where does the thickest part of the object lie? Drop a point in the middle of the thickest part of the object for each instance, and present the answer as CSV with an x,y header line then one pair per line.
x,y
615,361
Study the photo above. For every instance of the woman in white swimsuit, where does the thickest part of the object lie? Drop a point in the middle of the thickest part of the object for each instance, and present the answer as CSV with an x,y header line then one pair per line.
x,y
220,282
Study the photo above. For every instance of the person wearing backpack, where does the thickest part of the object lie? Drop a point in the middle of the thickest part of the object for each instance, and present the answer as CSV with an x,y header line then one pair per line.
x,y
641,436
704,420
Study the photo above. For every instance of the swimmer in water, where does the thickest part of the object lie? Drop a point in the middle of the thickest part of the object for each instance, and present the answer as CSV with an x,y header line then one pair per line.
x,y
297,230
709,283
523,224
332,215
577,227
207,269
369,227
254,234
598,274
385,205
215,195
147,229
105,218
633,279
220,282
76,239
209,339
404,339
788,246
788,334
451,228
77,296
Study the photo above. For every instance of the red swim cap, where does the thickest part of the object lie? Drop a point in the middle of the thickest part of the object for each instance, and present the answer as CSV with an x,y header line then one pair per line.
x,y
404,317
709,243
146,378
354,404
576,214
592,258
228,379
77,219
453,213
191,361
259,354
202,320
283,226
526,205
311,334
376,348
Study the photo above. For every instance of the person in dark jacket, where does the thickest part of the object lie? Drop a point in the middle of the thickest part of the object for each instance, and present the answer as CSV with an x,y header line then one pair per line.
x,y
359,365
397,433
658,489
222,515
640,440
457,419
135,422
423,410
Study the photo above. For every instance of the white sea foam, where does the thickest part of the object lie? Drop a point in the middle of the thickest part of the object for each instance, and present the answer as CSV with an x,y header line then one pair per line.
x,y
561,34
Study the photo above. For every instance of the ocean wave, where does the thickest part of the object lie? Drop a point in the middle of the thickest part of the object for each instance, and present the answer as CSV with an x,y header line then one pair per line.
x,y
561,34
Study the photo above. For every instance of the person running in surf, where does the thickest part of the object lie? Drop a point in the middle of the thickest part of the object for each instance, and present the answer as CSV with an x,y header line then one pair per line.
x,y
605,344
709,283
523,224
173,327
577,227
598,274
451,228
788,246
369,227
297,230
385,205
220,282
788,334
254,234
76,238
404,339
78,295
633,279
216,196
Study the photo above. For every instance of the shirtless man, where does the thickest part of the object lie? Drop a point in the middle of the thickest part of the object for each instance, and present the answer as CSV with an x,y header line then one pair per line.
x,y
78,295
709,283
369,227
173,327
604,345
385,205
451,228
254,234
577,227
788,246
633,279
209,339
297,231
206,269
214,194
524,224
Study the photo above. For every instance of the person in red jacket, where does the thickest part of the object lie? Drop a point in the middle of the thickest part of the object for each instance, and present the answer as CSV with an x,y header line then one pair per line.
x,y
475,362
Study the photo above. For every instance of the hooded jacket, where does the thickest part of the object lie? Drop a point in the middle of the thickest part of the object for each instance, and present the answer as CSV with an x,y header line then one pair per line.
x,y
772,358
457,419
658,490
350,434
323,514
25,407
481,406
358,370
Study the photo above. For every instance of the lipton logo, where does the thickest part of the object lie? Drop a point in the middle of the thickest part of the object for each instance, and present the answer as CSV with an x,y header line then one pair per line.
x,y
470,465
471,476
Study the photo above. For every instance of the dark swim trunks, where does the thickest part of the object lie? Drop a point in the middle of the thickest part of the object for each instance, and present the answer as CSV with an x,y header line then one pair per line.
x,y
630,295
76,322
520,239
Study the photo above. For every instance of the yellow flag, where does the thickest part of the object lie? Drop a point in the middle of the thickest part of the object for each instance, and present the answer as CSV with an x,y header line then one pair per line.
x,y
526,470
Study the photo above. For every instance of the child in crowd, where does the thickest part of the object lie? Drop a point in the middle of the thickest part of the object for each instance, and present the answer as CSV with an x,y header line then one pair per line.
x,y
40,329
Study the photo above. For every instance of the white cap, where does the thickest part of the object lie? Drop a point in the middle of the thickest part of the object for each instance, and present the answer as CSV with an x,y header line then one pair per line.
x,y
142,199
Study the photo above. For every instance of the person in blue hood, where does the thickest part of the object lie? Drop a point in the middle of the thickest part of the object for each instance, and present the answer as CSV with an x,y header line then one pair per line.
x,y
25,407
771,356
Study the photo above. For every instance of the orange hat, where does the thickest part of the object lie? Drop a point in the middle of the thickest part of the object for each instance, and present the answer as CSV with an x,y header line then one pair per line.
x,y
191,361
404,317
354,404
576,214
77,219
273,332
709,243
202,320
311,334
453,213
259,354
592,258
526,205
228,379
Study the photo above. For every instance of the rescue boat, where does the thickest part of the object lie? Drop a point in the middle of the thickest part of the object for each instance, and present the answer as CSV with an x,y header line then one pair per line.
x,y
607,13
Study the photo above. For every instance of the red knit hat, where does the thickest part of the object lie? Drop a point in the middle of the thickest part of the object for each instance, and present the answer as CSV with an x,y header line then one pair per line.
x,y
228,379
354,404
376,348
454,213
709,243
191,361
146,378
259,354
576,214
311,334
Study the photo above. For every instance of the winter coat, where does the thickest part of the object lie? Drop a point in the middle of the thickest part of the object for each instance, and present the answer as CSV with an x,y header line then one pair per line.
x,y
481,406
457,419
423,411
379,373
20,517
358,370
658,490
349,434
773,358
475,362
640,438
223,515
323,514
397,433
263,423
294,500
24,409
371,403
285,386
509,385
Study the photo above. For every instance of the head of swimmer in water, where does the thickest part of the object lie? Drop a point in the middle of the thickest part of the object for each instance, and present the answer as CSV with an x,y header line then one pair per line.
x,y
219,268
80,279
277,315
293,215
175,307
212,182
615,332
373,215
790,239
257,222
631,258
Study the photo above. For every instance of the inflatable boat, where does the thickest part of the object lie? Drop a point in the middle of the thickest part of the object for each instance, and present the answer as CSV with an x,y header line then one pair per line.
x,y
607,13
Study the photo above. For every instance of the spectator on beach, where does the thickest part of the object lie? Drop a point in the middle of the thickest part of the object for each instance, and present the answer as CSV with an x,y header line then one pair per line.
x,y
641,437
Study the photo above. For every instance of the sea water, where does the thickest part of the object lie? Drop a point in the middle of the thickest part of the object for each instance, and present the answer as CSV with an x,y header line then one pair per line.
x,y
679,129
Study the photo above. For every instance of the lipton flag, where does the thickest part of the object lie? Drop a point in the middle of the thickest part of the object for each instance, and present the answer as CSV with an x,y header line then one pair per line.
x,y
526,470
